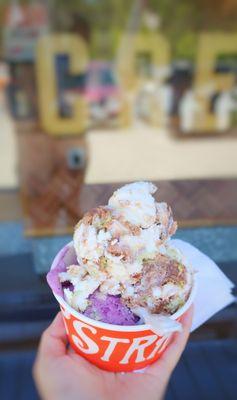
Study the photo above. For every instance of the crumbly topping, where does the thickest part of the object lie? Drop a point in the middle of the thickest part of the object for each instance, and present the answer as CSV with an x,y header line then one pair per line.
x,y
118,245
163,280
135,203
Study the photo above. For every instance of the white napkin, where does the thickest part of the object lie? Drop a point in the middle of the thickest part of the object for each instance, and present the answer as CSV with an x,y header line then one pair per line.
x,y
213,287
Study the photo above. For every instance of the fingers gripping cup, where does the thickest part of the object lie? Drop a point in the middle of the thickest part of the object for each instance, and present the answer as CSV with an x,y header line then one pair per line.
x,y
120,284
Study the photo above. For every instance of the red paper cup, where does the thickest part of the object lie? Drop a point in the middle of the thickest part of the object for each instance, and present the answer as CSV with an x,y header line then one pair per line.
x,y
111,347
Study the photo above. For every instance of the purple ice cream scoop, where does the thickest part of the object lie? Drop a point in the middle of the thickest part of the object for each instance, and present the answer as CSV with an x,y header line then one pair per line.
x,y
110,309
53,275
105,308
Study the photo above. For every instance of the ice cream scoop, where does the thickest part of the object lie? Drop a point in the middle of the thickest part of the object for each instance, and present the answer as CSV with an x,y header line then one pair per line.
x,y
164,285
110,309
124,261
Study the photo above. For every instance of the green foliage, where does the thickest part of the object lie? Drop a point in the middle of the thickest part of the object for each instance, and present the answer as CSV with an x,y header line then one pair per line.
x,y
180,21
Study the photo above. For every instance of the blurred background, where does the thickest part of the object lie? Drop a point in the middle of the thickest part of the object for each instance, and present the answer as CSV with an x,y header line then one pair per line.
x,y
95,93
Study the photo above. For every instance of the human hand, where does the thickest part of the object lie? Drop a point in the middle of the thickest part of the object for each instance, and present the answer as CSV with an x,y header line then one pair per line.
x,y
61,374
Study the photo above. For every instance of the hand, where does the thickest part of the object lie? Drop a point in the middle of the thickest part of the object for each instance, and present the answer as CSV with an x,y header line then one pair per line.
x,y
61,374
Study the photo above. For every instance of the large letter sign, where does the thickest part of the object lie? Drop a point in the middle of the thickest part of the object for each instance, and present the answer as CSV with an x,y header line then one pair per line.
x,y
48,47
153,44
207,81
156,48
